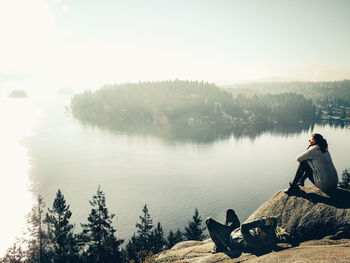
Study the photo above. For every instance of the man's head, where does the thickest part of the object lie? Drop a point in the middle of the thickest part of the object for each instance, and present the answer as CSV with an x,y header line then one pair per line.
x,y
269,226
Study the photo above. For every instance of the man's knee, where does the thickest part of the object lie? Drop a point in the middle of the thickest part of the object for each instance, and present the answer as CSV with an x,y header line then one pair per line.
x,y
211,224
208,221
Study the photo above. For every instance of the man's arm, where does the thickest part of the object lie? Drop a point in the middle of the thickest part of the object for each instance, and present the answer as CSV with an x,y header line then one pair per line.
x,y
252,238
261,222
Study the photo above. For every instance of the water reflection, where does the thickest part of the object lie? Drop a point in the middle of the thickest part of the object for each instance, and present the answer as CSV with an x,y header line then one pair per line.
x,y
211,134
18,119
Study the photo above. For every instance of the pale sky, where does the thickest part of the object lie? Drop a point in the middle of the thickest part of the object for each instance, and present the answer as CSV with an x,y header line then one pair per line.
x,y
92,42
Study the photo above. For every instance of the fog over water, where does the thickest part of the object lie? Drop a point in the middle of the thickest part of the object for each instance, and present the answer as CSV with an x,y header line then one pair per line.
x,y
203,104
43,148
18,121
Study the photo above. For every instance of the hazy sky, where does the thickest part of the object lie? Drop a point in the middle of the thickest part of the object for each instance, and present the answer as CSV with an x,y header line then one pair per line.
x,y
80,42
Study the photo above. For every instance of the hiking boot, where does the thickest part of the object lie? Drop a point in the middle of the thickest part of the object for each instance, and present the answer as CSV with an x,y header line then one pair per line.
x,y
218,249
231,219
234,253
292,190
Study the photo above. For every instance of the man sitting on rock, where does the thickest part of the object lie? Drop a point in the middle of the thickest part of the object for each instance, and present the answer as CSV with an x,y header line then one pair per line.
x,y
255,236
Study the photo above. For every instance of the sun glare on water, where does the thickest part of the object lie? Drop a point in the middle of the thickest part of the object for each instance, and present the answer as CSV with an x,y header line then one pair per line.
x,y
18,119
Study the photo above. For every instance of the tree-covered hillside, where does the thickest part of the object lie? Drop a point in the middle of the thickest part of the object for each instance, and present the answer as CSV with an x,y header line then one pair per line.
x,y
334,91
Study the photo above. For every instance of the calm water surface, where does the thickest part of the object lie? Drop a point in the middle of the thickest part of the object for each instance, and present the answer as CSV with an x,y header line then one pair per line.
x,y
173,178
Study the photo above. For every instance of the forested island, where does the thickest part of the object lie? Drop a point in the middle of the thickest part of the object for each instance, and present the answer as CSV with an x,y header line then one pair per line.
x,y
203,111
17,94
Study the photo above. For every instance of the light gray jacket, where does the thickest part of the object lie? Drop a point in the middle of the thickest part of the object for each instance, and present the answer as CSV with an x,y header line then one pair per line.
x,y
323,170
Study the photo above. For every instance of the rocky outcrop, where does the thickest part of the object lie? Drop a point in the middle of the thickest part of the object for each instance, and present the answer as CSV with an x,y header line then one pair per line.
x,y
319,221
310,213
324,250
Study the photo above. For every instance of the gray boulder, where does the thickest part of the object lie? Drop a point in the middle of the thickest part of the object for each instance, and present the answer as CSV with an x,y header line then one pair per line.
x,y
310,213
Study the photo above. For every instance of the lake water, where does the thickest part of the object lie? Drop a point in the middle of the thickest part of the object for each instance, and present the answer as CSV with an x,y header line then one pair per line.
x,y
43,149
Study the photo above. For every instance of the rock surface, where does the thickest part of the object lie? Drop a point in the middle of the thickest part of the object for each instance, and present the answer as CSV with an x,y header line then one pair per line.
x,y
319,221
310,214
324,250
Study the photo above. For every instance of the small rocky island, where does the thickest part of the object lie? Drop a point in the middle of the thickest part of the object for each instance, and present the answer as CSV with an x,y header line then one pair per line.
x,y
319,227
18,94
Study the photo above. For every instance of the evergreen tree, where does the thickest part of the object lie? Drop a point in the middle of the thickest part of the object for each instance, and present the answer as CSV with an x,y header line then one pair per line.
x,y
179,236
157,240
140,247
30,248
35,237
194,231
60,232
14,254
101,242
343,113
133,247
144,228
345,183
171,239
174,238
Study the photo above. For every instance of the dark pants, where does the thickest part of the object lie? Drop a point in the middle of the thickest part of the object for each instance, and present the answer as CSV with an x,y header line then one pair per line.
x,y
304,171
220,234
